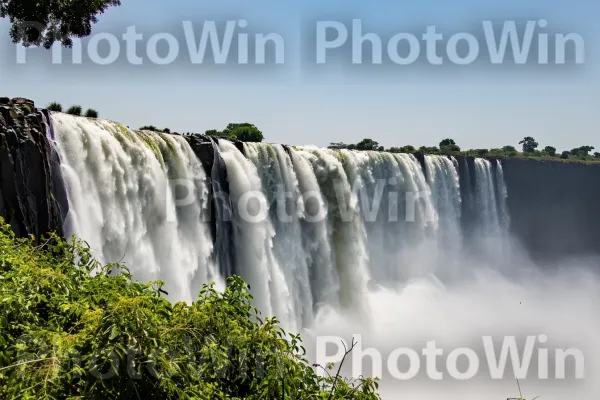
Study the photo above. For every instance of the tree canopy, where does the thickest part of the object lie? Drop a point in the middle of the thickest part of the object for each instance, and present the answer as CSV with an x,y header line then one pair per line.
x,y
44,22
550,150
246,132
529,144
367,144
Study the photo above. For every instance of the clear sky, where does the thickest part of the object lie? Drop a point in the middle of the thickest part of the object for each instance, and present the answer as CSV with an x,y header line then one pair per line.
x,y
298,102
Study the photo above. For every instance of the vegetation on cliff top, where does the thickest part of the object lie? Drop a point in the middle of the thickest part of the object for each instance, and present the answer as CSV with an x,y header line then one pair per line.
x,y
449,147
244,131
66,333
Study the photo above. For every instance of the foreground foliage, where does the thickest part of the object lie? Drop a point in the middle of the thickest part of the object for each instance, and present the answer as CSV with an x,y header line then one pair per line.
x,y
89,331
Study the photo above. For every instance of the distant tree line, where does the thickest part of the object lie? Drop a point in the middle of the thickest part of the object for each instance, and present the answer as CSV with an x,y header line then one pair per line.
x,y
529,148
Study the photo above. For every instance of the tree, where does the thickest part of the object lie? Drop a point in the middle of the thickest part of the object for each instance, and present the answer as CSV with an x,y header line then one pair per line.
x,y
166,130
597,155
408,149
90,113
248,134
54,106
244,131
509,149
564,155
550,150
447,142
45,22
582,151
529,144
74,110
367,144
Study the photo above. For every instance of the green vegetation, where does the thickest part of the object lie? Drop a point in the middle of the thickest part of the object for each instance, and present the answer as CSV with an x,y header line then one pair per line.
x,y
245,132
46,22
90,113
449,147
75,110
54,106
152,128
529,144
68,334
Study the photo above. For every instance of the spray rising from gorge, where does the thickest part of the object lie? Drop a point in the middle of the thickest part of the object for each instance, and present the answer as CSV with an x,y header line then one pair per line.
x,y
330,241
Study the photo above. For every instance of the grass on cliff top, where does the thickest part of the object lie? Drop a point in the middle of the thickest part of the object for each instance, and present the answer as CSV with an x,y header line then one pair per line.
x,y
68,334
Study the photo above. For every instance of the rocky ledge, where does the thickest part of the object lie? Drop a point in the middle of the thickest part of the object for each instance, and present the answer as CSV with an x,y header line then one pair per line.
x,y
27,170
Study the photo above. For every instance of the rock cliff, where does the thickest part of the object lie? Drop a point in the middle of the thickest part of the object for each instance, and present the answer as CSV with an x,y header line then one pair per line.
x,y
28,199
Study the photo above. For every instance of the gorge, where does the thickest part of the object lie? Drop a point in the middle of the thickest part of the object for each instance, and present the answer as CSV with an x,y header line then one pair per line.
x,y
330,241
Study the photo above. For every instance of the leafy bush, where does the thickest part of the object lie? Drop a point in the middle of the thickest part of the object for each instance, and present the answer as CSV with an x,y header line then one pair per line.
x,y
90,113
68,334
54,106
74,110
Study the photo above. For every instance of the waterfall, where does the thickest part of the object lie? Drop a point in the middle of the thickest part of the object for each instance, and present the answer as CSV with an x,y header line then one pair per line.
x,y
123,189
487,205
442,176
253,237
281,189
346,229
309,229
502,197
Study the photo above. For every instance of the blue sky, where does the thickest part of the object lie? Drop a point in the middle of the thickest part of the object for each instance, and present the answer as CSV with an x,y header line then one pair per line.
x,y
479,105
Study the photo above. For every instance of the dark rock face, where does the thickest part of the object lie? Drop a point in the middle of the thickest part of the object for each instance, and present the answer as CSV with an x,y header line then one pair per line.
x,y
27,199
203,147
221,210
554,207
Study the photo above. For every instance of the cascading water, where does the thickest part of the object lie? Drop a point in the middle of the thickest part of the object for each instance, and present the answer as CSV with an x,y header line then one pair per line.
x,y
486,196
502,197
253,237
307,228
281,189
345,226
122,190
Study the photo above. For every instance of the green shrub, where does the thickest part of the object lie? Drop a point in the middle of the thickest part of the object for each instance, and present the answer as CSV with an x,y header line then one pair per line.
x,y
74,110
91,113
54,106
65,334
